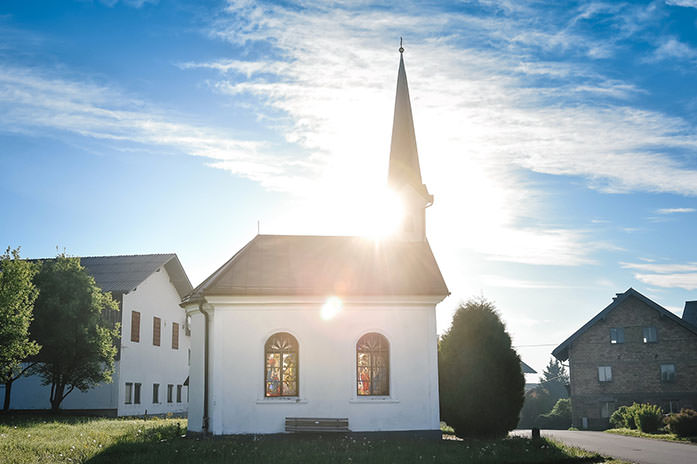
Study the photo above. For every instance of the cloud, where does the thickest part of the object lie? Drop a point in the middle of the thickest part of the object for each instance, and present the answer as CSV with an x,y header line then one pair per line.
x,y
684,3
660,268
687,281
675,210
33,102
131,3
505,282
672,48
672,275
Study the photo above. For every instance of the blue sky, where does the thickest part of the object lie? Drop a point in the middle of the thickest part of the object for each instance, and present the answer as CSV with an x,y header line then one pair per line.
x,y
558,138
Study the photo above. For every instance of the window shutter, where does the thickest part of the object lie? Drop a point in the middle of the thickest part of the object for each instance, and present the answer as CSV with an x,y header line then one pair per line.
x,y
175,335
135,326
156,331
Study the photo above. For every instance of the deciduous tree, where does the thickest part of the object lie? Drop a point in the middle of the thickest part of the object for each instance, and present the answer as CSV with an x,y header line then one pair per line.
x,y
17,296
78,345
481,382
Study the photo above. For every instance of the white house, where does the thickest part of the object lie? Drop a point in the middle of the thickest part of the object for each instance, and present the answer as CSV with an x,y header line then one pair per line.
x,y
152,364
331,328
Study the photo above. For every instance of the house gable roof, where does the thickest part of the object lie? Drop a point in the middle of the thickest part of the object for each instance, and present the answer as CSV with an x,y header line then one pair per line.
x,y
689,314
325,265
121,274
561,352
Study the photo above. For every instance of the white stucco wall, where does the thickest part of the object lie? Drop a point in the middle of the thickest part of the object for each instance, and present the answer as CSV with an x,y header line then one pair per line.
x,y
28,393
327,365
140,362
144,363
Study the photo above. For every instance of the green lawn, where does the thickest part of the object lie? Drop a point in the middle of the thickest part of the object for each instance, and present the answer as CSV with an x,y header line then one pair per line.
x,y
656,436
45,439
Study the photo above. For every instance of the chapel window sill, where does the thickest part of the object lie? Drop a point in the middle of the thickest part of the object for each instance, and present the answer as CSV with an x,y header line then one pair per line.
x,y
279,400
374,400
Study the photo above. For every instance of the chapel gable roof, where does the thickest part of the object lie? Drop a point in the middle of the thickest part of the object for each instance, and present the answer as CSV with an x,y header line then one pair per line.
x,y
121,274
323,265
562,351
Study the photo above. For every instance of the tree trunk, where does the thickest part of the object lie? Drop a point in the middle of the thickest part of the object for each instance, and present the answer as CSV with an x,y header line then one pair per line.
x,y
8,390
56,396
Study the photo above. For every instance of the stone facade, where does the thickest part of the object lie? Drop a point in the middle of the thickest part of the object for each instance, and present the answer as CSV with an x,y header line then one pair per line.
x,y
634,365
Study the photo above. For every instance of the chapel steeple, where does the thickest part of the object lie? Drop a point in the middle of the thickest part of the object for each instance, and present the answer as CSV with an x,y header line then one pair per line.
x,y
404,175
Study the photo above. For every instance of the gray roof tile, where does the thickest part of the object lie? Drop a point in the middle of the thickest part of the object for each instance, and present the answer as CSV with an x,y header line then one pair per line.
x,y
322,265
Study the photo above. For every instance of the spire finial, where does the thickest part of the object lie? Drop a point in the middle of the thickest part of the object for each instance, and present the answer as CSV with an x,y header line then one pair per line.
x,y
401,49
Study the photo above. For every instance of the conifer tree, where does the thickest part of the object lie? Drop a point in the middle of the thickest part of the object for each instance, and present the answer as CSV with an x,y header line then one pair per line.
x,y
481,381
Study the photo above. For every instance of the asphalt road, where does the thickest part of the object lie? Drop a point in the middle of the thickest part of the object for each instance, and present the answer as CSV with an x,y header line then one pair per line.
x,y
632,449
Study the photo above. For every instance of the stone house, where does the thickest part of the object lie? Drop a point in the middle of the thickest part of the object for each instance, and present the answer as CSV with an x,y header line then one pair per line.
x,y
634,350
152,363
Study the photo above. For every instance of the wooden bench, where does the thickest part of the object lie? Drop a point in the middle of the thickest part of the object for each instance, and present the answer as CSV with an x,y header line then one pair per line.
x,y
316,424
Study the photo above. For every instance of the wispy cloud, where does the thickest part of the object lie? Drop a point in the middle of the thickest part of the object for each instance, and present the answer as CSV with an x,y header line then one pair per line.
x,y
687,281
673,48
671,275
661,268
32,102
675,210
685,3
507,282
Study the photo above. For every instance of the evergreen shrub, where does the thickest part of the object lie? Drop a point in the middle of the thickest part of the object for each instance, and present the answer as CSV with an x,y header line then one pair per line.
x,y
684,423
648,417
623,418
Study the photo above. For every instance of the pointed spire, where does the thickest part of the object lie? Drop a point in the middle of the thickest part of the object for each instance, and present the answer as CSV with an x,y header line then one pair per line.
x,y
404,158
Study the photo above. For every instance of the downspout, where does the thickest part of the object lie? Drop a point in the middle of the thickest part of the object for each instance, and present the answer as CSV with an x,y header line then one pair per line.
x,y
204,425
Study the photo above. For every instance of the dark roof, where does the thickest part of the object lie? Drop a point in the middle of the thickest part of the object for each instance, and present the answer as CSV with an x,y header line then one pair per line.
x,y
527,369
121,274
562,351
690,312
323,265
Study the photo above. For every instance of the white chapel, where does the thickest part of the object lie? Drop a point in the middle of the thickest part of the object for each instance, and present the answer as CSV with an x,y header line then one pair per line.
x,y
325,332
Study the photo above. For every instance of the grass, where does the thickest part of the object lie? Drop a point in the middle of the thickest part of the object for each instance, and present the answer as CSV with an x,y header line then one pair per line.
x,y
46,439
661,435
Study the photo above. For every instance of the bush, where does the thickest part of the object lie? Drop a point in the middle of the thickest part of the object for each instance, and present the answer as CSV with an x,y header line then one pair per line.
x,y
558,418
684,423
648,417
623,418
481,383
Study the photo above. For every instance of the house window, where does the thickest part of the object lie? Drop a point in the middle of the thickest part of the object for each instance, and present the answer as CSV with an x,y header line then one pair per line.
x,y
188,356
281,365
170,393
650,335
156,323
617,335
667,372
129,393
179,393
605,373
372,365
135,326
136,393
187,326
672,406
175,335
155,393
606,408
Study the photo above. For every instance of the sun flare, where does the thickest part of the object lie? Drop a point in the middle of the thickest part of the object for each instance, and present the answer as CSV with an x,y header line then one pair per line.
x,y
385,214
331,308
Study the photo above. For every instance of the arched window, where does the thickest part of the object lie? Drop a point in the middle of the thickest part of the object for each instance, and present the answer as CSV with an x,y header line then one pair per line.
x,y
372,365
281,365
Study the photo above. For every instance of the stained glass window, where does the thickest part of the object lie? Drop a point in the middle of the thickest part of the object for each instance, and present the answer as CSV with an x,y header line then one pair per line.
x,y
281,365
373,365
